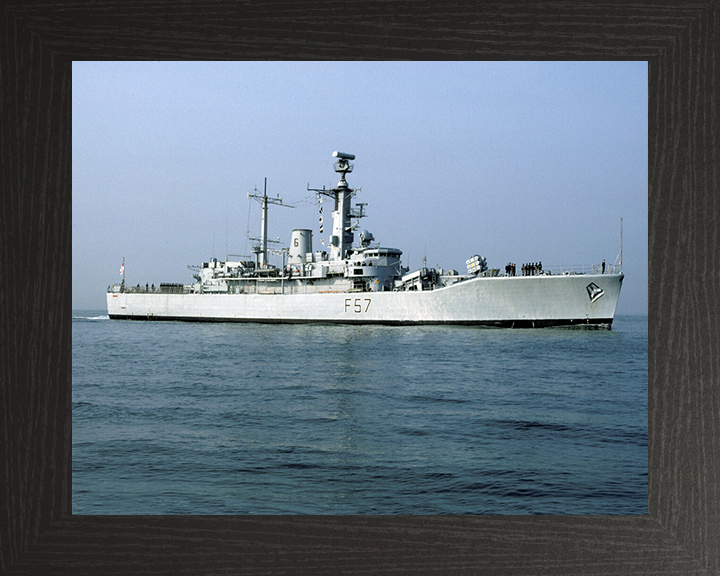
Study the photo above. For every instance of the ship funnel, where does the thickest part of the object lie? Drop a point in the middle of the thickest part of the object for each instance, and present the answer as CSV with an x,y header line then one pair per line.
x,y
300,244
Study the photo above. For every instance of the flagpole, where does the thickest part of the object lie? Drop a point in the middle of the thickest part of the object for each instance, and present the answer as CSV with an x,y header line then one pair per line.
x,y
621,244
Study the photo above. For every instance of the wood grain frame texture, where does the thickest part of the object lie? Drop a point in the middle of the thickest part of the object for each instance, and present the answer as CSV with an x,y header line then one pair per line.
x,y
38,533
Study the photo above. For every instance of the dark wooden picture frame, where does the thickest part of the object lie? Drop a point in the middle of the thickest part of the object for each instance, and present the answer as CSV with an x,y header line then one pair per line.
x,y
38,533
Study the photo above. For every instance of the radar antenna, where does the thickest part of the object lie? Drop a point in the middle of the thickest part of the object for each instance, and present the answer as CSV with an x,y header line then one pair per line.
x,y
343,166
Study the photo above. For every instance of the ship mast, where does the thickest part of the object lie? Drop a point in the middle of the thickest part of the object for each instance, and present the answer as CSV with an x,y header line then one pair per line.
x,y
262,249
342,232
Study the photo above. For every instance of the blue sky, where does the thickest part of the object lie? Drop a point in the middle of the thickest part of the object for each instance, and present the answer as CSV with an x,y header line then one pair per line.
x,y
515,161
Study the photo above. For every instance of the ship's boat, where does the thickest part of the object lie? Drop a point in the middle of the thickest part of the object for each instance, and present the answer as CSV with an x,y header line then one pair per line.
x,y
363,282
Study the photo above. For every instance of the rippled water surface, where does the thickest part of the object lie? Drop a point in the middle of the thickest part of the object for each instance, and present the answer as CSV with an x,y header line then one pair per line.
x,y
185,418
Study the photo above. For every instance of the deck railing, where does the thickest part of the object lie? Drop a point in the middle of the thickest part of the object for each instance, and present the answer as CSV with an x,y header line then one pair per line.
x,y
571,269
138,289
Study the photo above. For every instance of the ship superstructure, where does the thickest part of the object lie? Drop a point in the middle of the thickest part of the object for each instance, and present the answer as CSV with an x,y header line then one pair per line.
x,y
349,281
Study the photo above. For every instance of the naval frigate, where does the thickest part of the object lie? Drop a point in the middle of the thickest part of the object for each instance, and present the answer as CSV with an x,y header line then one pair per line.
x,y
362,282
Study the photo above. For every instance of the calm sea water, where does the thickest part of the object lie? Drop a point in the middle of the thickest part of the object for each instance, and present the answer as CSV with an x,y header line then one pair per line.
x,y
185,418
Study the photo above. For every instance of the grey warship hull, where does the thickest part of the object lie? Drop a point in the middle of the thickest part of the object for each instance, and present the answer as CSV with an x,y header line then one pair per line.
x,y
532,302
